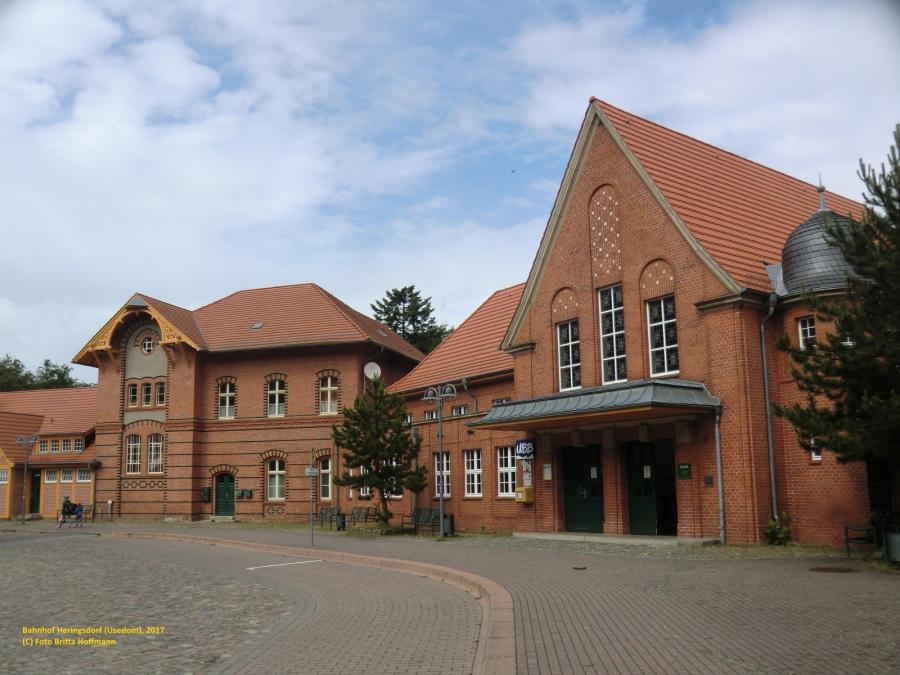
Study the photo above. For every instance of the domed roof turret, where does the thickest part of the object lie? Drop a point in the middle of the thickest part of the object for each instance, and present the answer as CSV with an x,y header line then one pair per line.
x,y
809,262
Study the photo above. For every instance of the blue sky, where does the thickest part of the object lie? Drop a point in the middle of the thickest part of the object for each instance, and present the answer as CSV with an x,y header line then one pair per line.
x,y
187,150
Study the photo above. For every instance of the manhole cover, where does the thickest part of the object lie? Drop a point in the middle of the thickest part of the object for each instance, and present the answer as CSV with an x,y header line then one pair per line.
x,y
834,570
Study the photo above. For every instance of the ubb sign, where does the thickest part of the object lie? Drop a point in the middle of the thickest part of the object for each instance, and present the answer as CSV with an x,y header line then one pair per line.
x,y
525,449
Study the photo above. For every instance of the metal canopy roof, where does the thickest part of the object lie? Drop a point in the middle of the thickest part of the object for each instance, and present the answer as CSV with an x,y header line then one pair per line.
x,y
629,401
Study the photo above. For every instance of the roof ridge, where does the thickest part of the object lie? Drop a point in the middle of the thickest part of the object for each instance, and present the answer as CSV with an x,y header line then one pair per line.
x,y
628,113
341,307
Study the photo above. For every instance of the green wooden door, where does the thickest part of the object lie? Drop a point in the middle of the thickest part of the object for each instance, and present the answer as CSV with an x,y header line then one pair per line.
x,y
641,488
224,494
583,489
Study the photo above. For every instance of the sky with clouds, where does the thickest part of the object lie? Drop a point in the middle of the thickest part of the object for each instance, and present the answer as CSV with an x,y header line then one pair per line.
x,y
187,150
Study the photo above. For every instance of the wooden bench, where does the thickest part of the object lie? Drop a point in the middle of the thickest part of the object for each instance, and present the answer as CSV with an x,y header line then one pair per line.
x,y
858,535
421,516
362,514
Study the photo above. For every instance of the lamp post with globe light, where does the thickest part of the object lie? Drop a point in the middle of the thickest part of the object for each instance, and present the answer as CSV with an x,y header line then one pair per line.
x,y
437,395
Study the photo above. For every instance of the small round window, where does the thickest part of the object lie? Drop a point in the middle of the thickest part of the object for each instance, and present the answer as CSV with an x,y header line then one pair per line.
x,y
148,344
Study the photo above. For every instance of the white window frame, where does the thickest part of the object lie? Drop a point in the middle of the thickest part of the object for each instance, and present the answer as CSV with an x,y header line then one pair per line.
x,y
276,398
146,394
398,491
328,395
325,479
50,476
430,415
499,401
155,444
568,351
4,476
365,492
806,331
83,476
42,446
54,445
442,477
160,393
506,471
458,410
473,473
132,453
275,480
148,344
67,445
668,350
611,304
132,395
79,445
408,419
227,400
65,475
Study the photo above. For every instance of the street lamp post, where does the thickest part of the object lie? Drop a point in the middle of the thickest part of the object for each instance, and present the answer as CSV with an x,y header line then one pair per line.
x,y
438,394
27,442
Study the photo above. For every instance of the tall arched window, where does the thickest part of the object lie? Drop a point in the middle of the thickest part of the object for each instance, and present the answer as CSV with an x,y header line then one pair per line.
x,y
275,473
328,395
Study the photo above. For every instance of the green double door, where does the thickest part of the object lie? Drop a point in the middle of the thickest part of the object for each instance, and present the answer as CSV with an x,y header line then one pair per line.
x,y
224,494
583,482
652,508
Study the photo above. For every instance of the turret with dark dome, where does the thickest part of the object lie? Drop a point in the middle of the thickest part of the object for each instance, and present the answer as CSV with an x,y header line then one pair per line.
x,y
809,262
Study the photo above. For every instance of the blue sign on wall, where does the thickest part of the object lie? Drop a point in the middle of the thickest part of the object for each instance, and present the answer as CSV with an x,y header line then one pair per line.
x,y
525,449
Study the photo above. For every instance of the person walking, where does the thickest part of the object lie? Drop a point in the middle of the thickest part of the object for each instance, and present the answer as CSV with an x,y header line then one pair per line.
x,y
79,515
67,510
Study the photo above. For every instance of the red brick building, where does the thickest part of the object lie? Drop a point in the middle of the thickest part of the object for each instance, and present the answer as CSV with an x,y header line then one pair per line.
x,y
638,361
219,411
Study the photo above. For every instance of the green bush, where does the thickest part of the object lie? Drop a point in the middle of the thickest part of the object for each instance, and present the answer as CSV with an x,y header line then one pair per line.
x,y
778,532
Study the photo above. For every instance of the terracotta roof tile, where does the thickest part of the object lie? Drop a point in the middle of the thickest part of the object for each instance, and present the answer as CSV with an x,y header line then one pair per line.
x,y
181,318
301,314
53,411
16,424
740,212
472,349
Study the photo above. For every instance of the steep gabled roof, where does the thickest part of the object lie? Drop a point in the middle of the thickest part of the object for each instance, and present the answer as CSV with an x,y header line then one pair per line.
x,y
13,425
472,350
301,314
734,213
740,212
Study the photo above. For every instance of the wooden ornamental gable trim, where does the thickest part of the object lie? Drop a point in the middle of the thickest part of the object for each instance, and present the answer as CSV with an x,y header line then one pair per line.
x,y
595,118
102,343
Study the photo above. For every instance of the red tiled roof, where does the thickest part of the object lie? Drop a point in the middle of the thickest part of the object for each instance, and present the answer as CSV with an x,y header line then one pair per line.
x,y
47,412
301,314
740,212
182,319
472,349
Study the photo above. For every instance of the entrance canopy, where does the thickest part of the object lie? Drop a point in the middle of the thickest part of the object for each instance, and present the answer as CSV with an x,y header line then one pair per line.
x,y
626,402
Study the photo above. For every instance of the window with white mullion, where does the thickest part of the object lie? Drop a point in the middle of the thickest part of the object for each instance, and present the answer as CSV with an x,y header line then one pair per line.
x,y
325,479
506,471
277,397
569,351
275,485
328,395
663,336
612,334
442,474
133,454
806,326
227,400
473,473
155,453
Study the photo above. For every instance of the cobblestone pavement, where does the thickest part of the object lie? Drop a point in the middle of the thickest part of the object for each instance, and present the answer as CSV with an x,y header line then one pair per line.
x,y
218,615
619,608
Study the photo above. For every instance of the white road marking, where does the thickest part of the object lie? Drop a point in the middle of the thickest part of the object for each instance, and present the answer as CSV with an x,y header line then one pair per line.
x,y
299,562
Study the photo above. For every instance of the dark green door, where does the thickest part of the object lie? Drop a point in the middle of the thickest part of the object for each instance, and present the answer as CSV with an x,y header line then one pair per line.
x,y
652,506
583,489
34,504
224,494
641,488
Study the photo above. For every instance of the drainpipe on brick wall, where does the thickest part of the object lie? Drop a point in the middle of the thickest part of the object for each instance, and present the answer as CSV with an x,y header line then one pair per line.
x,y
719,476
773,300
465,384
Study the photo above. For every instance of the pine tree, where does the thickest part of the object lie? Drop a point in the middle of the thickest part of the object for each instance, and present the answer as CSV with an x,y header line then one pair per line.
x,y
410,316
378,443
851,379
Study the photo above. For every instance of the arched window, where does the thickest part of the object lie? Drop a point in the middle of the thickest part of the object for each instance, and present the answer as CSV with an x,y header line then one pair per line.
x,y
329,392
155,453
133,454
275,473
